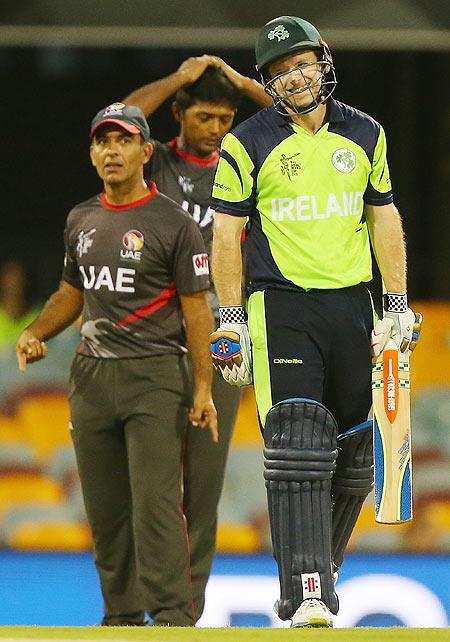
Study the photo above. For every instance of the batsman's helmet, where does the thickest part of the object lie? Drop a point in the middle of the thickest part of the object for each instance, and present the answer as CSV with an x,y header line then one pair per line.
x,y
287,35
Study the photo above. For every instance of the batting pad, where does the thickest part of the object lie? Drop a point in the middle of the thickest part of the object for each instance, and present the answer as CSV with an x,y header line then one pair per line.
x,y
352,482
300,457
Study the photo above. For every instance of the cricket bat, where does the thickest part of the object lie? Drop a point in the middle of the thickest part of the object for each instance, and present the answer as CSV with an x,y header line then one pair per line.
x,y
392,431
392,435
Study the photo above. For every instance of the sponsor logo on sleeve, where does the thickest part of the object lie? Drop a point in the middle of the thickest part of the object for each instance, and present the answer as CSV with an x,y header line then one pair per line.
x,y
201,264
221,186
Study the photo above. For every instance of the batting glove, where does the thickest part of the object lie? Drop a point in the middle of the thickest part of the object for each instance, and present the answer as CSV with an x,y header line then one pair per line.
x,y
380,336
407,324
231,348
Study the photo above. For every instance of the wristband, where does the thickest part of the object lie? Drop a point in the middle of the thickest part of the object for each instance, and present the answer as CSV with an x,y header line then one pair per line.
x,y
395,302
232,314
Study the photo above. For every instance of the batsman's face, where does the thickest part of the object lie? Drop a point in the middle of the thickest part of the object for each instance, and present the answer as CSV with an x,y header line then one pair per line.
x,y
117,155
203,125
297,78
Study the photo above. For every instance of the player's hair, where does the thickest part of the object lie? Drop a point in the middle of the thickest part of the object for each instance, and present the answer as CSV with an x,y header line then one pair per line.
x,y
212,87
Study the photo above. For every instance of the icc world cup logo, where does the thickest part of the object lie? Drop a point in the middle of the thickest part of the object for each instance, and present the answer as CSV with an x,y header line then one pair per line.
x,y
133,240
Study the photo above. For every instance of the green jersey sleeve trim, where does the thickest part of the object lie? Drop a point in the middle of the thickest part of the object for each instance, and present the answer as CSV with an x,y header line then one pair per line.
x,y
379,191
234,181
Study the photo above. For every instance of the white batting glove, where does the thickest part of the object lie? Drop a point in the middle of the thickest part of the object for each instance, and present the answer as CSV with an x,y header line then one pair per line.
x,y
381,334
406,329
231,348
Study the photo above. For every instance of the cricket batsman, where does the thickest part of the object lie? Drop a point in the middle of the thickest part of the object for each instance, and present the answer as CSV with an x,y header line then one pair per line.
x,y
308,177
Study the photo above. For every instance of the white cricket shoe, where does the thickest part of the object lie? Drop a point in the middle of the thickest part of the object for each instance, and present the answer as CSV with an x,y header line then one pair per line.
x,y
313,613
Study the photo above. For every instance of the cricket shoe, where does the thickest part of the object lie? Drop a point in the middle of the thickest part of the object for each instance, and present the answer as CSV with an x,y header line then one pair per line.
x,y
312,613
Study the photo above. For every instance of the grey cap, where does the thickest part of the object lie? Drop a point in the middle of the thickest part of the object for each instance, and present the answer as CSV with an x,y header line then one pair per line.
x,y
128,117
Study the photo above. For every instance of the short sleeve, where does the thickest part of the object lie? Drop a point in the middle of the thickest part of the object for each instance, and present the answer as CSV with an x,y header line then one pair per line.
x,y
71,273
233,189
379,190
190,260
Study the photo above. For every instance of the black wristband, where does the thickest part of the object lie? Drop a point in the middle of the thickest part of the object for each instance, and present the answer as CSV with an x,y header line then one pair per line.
x,y
232,314
395,302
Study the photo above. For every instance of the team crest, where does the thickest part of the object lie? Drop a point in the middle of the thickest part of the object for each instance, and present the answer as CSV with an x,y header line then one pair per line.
x,y
133,242
114,109
280,33
344,160
289,166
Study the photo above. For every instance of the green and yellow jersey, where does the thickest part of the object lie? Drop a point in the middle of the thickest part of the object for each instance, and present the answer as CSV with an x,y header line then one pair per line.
x,y
304,196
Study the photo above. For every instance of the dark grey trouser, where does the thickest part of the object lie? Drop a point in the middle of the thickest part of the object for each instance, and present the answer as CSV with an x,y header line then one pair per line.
x,y
204,469
129,426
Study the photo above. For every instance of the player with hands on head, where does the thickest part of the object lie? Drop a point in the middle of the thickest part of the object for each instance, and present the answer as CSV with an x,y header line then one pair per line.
x,y
136,269
308,178
206,94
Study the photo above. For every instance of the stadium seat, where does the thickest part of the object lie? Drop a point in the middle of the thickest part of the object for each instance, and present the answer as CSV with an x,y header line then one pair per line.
x,y
63,536
45,528
27,488
246,431
237,538
8,428
430,363
44,422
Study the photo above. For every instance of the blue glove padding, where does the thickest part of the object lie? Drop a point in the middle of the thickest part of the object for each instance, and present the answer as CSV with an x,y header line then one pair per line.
x,y
231,353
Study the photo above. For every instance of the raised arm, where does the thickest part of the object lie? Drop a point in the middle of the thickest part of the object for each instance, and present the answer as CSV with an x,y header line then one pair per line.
x,y
227,258
60,311
151,96
248,86
199,323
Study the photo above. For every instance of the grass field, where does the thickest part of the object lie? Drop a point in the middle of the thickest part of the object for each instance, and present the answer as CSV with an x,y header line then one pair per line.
x,y
47,633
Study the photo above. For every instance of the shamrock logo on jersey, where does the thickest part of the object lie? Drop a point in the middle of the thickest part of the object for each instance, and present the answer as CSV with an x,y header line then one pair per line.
x,y
84,241
280,33
344,160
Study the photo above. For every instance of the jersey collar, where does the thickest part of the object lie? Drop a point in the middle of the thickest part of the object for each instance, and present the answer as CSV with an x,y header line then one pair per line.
x,y
205,162
129,206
